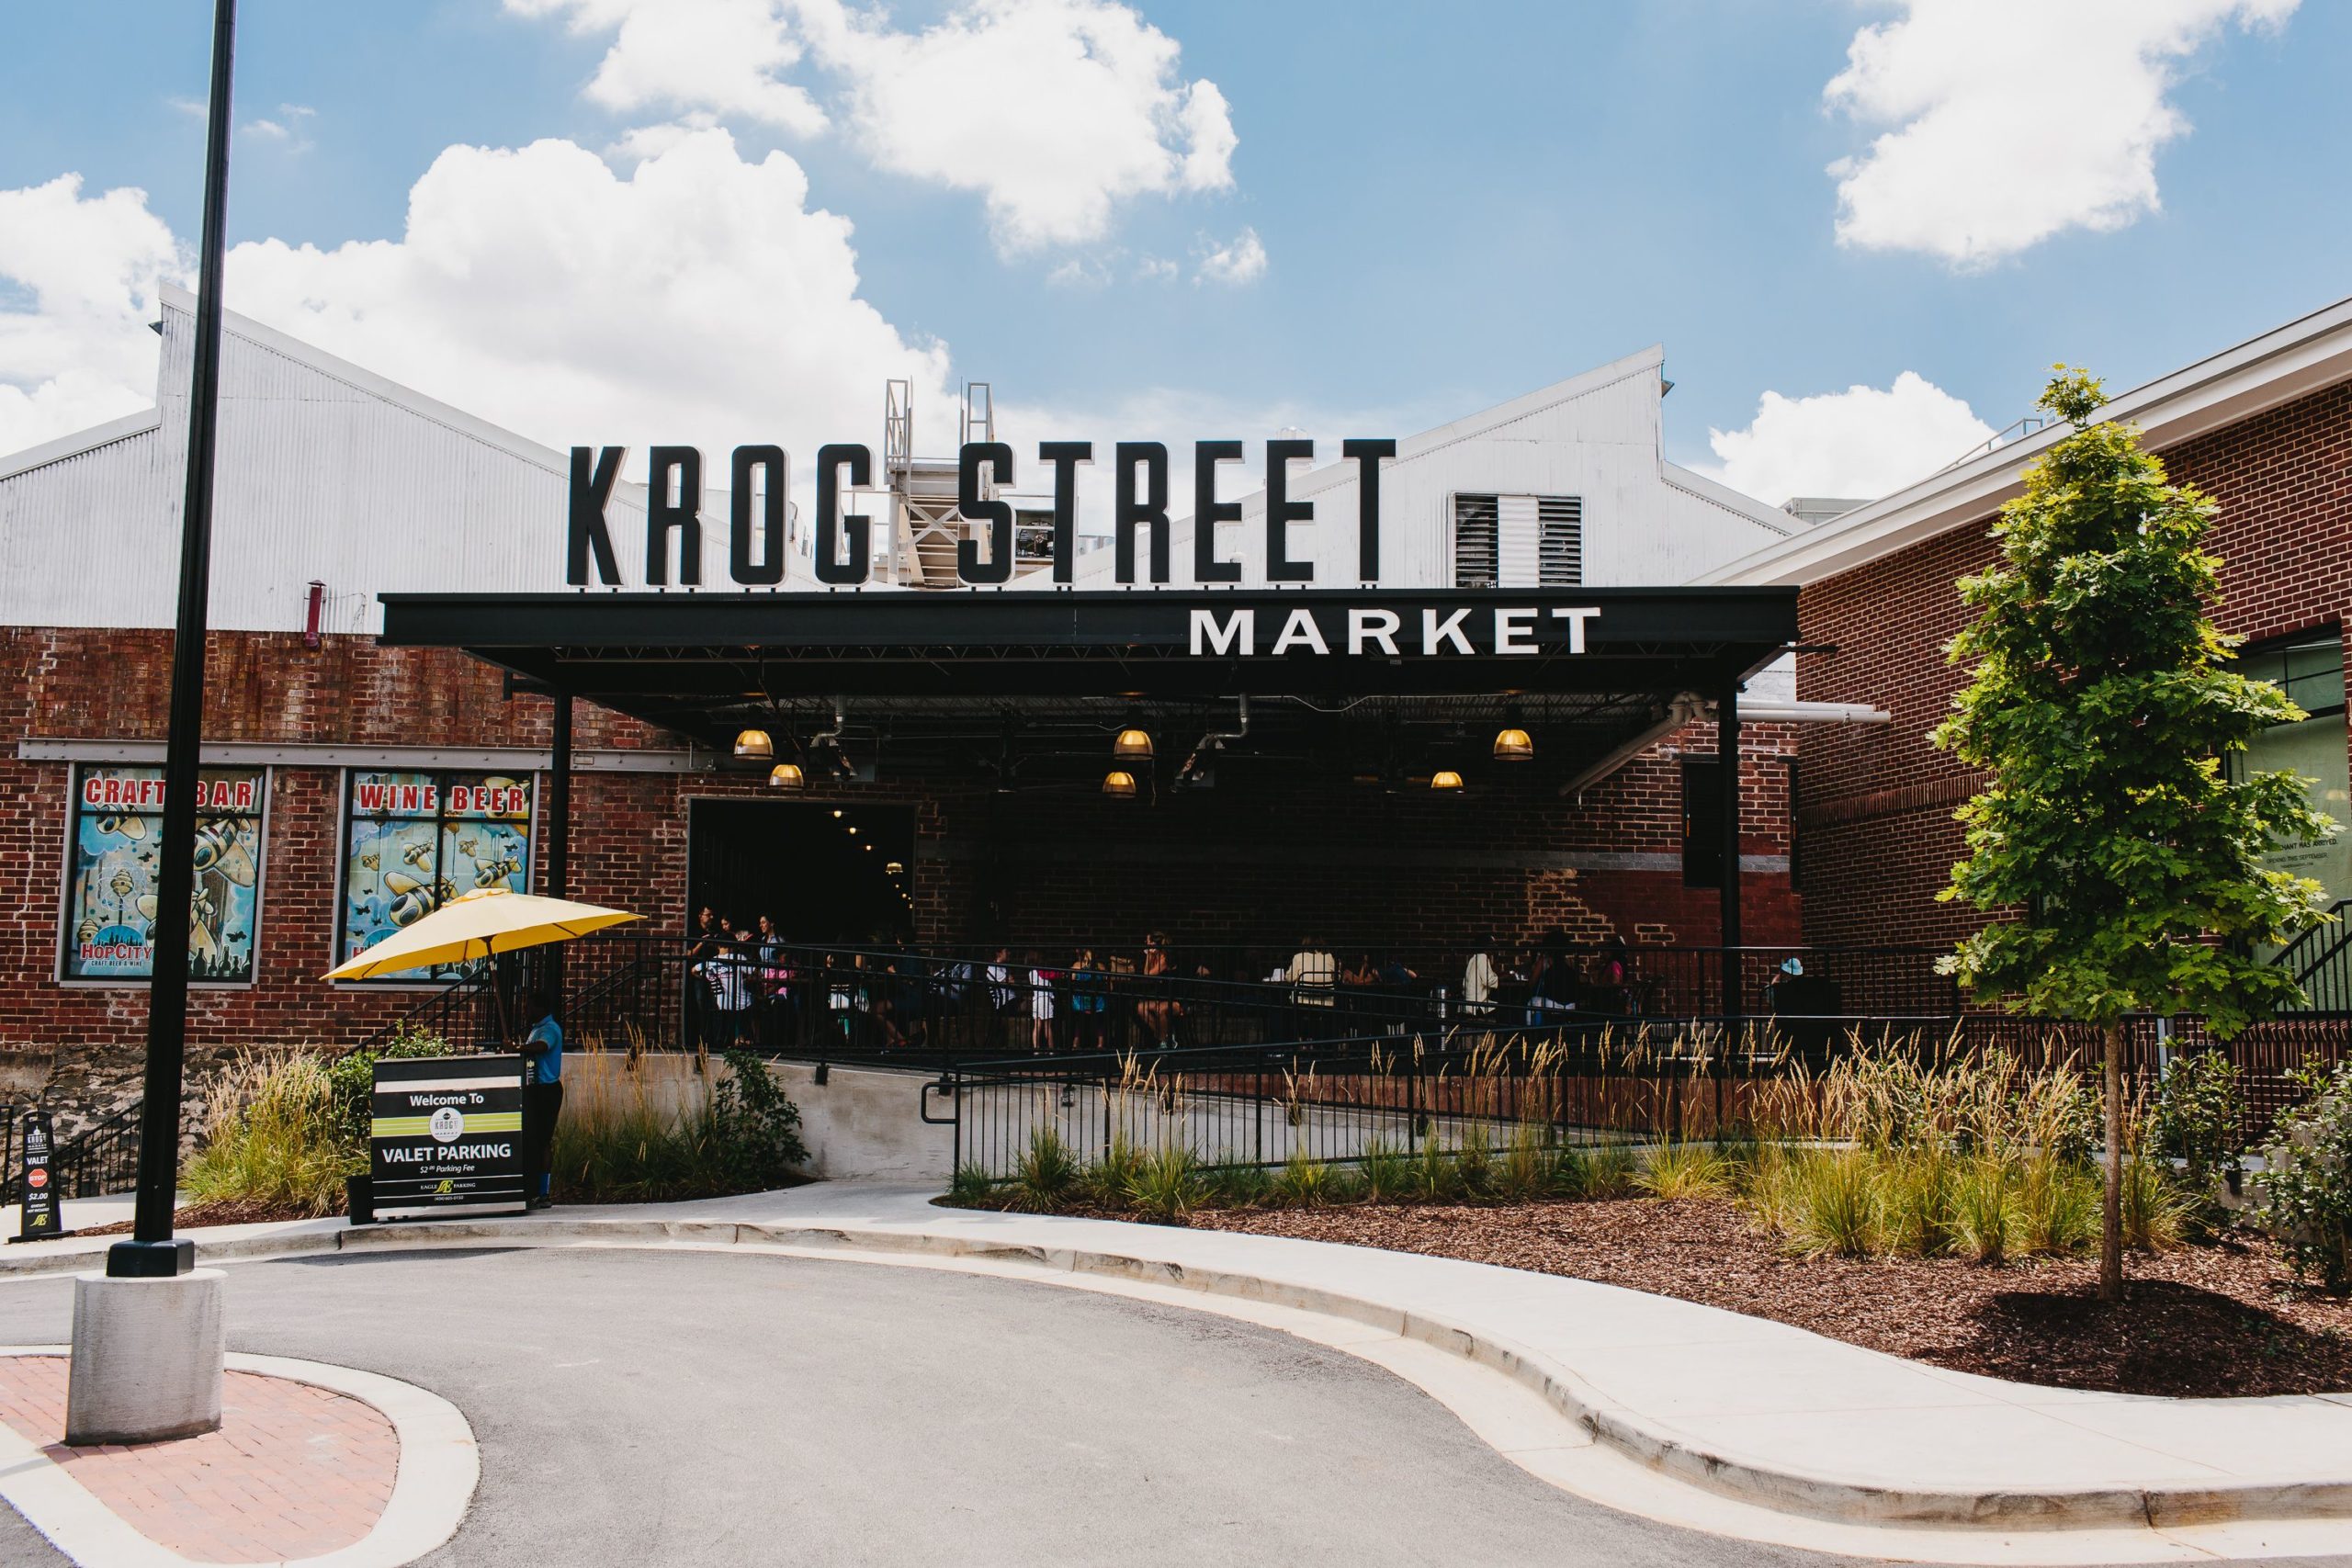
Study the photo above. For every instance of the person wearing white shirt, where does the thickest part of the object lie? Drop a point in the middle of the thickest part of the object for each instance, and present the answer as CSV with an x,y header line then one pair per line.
x,y
1478,981
1312,974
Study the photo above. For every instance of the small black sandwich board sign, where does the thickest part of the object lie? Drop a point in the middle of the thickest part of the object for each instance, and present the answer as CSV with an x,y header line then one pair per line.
x,y
38,1218
447,1136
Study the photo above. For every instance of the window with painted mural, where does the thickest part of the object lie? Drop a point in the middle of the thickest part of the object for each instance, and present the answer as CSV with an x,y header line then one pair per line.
x,y
413,841
117,829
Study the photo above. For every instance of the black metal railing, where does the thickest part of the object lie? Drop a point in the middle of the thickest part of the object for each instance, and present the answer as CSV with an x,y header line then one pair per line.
x,y
2321,959
1481,1086
675,993
100,1159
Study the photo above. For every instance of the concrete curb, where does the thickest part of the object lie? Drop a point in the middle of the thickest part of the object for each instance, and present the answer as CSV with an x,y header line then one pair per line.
x,y
1754,1479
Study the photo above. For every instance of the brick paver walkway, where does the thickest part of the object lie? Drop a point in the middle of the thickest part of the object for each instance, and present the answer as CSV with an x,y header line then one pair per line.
x,y
294,1471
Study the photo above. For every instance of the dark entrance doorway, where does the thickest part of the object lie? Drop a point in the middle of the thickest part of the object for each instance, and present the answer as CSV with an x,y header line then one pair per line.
x,y
827,873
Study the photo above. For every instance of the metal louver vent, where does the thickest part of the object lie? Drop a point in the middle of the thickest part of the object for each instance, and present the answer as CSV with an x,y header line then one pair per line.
x,y
1476,541
1559,541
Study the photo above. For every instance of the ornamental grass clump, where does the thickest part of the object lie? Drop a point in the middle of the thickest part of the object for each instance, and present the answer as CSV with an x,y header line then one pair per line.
x,y
276,1137
1924,1153
1046,1174
1680,1168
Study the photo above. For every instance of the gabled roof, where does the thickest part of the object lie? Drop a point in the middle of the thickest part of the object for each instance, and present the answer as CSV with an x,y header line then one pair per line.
x,y
2280,366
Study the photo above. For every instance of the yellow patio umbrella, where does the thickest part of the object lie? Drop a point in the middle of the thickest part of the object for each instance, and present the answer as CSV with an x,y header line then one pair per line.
x,y
475,925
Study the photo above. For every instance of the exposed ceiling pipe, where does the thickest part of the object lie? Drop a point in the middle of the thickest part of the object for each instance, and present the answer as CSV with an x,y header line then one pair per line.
x,y
1215,740
1686,708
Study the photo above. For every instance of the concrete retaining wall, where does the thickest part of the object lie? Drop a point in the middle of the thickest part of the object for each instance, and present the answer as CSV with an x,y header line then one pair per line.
x,y
861,1122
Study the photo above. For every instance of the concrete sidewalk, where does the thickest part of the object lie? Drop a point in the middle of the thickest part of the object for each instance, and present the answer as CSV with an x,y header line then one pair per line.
x,y
1756,1410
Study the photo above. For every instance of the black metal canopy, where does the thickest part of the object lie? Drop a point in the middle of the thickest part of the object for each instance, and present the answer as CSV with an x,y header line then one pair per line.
x,y
965,665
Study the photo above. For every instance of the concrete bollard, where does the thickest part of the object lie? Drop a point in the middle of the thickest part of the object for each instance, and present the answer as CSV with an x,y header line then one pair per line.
x,y
147,1357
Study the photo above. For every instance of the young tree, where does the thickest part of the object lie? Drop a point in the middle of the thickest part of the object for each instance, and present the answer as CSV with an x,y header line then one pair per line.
x,y
2121,857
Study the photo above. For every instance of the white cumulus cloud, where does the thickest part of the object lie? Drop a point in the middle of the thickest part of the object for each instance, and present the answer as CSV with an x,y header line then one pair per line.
x,y
74,348
2016,119
1053,111
700,299
1240,260
724,55
1861,442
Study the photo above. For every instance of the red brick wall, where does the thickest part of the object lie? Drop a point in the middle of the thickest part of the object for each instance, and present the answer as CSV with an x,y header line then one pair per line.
x,y
1875,802
1243,864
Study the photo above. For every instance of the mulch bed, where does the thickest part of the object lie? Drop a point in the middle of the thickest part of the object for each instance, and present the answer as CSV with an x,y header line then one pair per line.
x,y
2221,1319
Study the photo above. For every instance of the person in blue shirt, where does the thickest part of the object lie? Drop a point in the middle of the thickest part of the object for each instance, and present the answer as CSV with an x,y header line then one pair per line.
x,y
542,1096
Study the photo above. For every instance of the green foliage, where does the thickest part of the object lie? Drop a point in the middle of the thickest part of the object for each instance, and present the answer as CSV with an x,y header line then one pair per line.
x,y
620,1140
277,1137
1387,1171
1915,1204
2156,1214
2199,1113
1608,1172
2307,1189
353,1074
1435,1176
1105,1183
1832,1203
1684,1170
757,1127
1474,1161
1983,1211
1530,1166
2058,1206
1305,1182
970,1186
1240,1186
1047,1173
1167,1186
2103,706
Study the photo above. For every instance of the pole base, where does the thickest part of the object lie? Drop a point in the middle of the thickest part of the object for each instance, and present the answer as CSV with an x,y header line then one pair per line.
x,y
149,1259
149,1357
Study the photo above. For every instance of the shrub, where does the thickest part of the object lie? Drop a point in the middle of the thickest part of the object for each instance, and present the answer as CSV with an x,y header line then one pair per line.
x,y
1474,1161
1046,1173
1984,1210
1833,1203
1435,1176
1240,1186
2307,1189
353,1074
1386,1170
2155,1210
1530,1164
1305,1182
971,1185
276,1136
1682,1170
1609,1171
1106,1182
1167,1186
2058,1206
1915,1203
757,1127
2199,1111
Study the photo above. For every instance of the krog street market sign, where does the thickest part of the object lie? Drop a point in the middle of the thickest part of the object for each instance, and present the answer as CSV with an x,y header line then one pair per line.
x,y
759,478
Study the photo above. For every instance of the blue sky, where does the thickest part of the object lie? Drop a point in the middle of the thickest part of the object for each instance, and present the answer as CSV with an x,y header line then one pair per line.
x,y
1454,204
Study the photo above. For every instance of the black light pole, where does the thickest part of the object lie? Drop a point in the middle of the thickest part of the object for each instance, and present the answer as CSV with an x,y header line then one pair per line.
x,y
152,1253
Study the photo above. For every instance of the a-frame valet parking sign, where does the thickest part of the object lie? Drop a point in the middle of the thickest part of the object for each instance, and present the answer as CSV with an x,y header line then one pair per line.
x,y
447,1136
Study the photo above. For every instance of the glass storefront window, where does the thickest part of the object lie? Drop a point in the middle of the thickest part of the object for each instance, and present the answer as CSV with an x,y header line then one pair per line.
x,y
2312,673
413,841
113,857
